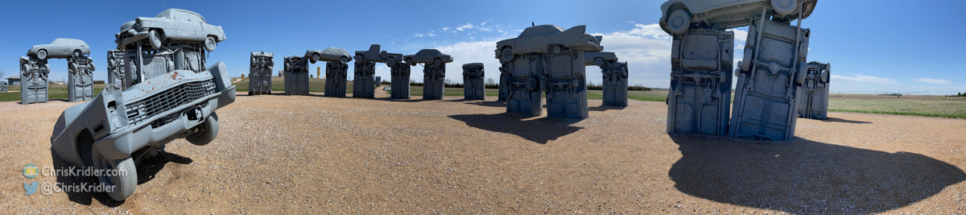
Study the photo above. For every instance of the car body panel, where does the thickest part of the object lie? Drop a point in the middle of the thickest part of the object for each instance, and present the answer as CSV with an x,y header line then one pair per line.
x,y
699,96
61,48
33,80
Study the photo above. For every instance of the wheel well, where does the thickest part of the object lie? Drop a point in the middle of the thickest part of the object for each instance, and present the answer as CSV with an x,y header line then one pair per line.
x,y
84,142
216,37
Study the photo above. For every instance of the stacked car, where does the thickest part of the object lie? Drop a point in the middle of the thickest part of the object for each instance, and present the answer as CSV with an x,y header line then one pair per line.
x,y
550,59
170,95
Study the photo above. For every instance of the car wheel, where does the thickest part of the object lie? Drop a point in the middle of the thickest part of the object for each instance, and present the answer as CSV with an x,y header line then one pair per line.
x,y
556,49
802,73
344,60
391,62
437,62
679,21
42,54
154,38
384,54
78,54
411,62
210,44
825,76
316,57
123,175
507,54
207,131
598,61
25,69
784,7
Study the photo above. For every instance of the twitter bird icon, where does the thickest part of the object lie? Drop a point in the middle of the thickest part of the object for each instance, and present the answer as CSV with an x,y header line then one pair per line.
x,y
30,188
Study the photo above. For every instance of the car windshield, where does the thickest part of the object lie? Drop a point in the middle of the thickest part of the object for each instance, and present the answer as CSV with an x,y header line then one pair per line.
x,y
61,41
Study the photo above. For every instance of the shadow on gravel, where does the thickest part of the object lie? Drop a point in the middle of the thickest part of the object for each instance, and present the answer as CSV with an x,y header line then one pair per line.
x,y
803,176
833,119
482,103
146,171
605,108
537,130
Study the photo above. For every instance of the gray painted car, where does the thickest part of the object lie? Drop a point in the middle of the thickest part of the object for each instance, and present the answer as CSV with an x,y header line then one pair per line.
x,y
428,56
171,25
60,48
813,93
679,15
119,128
547,39
329,54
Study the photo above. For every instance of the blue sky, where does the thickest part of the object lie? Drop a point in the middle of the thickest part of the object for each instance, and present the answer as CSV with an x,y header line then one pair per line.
x,y
882,45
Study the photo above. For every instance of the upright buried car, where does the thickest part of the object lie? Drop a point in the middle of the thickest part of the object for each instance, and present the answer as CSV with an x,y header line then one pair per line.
x,y
166,100
170,26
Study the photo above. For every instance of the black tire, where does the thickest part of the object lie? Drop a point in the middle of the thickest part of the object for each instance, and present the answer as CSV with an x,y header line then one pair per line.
x,y
154,38
210,44
344,60
316,57
437,62
123,177
207,131
411,62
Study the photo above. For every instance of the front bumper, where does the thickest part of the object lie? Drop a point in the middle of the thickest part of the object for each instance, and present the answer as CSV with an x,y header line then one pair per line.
x,y
122,143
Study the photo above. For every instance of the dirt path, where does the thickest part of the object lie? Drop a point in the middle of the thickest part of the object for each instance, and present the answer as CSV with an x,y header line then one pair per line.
x,y
313,154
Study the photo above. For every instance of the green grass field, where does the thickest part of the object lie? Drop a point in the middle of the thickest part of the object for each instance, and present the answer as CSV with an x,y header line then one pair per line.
x,y
54,92
935,106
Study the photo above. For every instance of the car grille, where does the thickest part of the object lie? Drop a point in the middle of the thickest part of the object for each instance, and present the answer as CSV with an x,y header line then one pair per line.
x,y
168,99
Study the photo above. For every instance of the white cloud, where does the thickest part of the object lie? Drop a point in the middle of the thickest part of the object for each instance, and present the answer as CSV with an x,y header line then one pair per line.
x,y
445,29
470,52
647,51
933,81
862,79
464,27
419,35
482,24
631,22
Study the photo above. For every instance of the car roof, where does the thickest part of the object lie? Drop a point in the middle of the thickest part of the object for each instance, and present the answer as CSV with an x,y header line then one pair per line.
x,y
167,13
541,29
67,40
428,51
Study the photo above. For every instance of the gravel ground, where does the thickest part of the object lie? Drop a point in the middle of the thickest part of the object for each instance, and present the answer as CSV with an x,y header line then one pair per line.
x,y
311,155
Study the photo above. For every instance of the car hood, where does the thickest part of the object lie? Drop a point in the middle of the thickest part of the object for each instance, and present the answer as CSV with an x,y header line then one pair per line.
x,y
163,82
